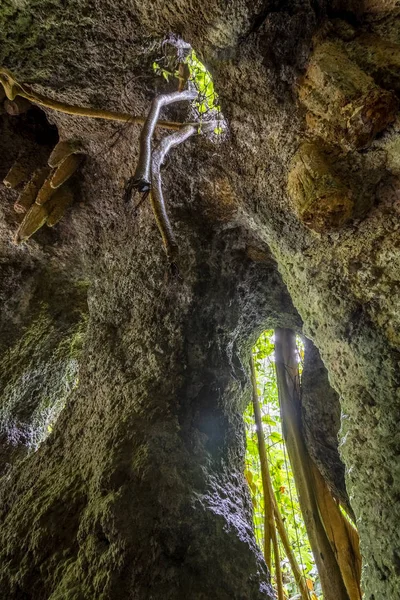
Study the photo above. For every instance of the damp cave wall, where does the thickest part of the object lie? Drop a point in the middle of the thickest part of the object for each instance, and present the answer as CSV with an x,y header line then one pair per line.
x,y
344,283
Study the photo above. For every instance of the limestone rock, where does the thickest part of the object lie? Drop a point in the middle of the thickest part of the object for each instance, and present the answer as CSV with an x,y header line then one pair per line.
x,y
321,198
344,104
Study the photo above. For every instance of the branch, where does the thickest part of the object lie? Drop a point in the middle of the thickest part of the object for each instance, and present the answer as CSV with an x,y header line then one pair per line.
x,y
156,194
141,178
326,556
265,477
12,89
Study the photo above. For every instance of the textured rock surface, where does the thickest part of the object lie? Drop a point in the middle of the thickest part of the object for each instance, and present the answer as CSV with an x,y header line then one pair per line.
x,y
346,106
322,198
139,491
39,371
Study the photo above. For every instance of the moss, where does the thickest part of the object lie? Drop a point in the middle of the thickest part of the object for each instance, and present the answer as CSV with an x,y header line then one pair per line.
x,y
34,37
392,148
379,58
39,372
161,353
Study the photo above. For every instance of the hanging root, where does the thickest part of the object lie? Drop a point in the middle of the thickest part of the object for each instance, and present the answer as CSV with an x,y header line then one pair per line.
x,y
63,150
13,89
31,190
58,204
66,169
33,220
156,195
141,178
16,175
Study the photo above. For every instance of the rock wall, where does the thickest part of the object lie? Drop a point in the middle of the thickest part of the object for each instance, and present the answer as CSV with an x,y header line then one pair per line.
x,y
155,421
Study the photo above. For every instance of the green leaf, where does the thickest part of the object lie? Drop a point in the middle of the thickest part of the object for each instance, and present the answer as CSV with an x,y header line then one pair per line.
x,y
275,437
280,470
268,420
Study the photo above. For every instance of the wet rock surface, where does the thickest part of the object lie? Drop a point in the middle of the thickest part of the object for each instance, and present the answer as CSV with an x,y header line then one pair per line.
x,y
140,486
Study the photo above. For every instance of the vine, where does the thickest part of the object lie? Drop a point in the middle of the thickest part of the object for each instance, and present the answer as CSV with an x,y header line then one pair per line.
x,y
195,85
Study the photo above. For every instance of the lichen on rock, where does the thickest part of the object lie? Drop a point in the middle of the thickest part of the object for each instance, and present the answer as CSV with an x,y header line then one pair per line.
x,y
323,199
38,375
140,490
345,105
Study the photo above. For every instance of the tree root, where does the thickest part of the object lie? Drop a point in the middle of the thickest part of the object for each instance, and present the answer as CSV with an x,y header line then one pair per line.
x,y
156,194
141,178
13,89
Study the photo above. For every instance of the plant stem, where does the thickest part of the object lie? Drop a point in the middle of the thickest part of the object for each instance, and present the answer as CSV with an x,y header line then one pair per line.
x,y
156,194
12,89
269,524
298,576
141,178
288,381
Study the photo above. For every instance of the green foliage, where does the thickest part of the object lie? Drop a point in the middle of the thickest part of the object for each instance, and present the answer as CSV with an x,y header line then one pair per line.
x,y
207,102
201,77
280,470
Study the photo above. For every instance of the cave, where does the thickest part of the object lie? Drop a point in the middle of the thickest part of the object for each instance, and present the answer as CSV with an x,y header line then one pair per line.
x,y
124,375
